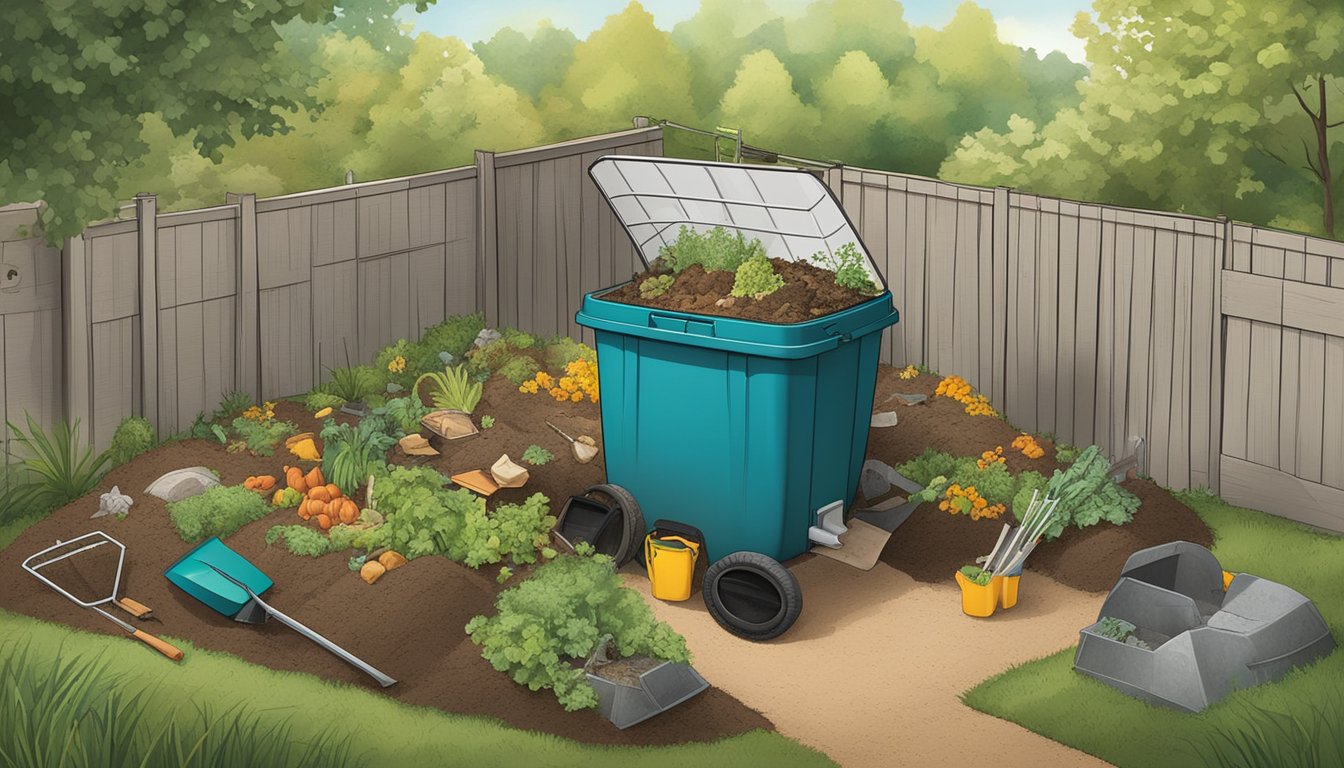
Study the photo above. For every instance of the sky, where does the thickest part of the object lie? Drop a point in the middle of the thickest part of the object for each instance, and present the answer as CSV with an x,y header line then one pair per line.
x,y
1039,24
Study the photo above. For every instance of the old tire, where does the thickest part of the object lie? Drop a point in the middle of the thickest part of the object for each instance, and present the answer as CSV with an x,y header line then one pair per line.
x,y
621,542
752,596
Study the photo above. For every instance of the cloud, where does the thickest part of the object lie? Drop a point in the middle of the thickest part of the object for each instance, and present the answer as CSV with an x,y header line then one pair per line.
x,y
1045,34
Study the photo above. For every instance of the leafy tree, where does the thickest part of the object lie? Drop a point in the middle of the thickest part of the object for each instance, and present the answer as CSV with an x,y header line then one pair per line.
x,y
717,38
79,76
762,102
1186,108
828,30
529,64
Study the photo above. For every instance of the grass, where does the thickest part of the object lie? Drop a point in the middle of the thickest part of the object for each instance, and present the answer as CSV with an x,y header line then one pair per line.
x,y
381,730
1048,697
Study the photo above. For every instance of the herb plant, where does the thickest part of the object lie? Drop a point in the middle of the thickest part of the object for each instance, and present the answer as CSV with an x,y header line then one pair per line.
x,y
518,369
452,389
404,413
316,400
756,278
559,614
487,422
848,265
715,250
1087,494
262,435
976,574
219,511
655,286
423,517
354,384
352,453
134,436
516,531
536,455
300,540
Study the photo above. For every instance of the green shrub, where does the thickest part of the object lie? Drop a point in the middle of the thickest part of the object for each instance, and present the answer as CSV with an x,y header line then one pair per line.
x,y
928,465
300,540
134,436
490,358
849,268
316,400
218,512
409,352
356,383
559,614
536,455
519,369
404,413
351,453
58,470
715,250
263,435
511,530
756,278
232,404
1066,454
562,350
517,339
1087,494
454,336
452,389
423,517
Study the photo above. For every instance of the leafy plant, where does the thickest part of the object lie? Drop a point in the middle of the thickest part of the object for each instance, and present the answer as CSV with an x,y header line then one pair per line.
x,y
262,435
300,540
1116,629
993,482
756,278
423,517
562,350
536,455
517,339
316,400
559,614
18,494
518,369
454,335
60,471
849,268
1027,483
219,511
511,530
505,573
1066,454
354,384
352,453
655,286
1087,494
487,360
487,422
134,436
403,412
452,389
715,250
976,574
232,403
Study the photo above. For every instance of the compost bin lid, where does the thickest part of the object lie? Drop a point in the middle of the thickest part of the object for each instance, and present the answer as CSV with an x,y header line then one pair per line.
x,y
792,213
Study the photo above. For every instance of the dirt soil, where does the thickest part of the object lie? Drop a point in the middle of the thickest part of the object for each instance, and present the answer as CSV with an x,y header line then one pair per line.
x,y
932,545
809,292
409,624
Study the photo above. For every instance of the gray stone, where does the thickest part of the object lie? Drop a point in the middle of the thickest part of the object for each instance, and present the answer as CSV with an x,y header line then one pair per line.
x,y
114,502
486,336
183,483
908,399
883,419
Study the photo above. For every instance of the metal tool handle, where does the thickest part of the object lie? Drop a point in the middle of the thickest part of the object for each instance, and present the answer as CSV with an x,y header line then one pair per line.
x,y
340,652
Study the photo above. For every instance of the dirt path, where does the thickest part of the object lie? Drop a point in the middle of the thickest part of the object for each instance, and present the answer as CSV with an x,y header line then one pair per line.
x,y
872,671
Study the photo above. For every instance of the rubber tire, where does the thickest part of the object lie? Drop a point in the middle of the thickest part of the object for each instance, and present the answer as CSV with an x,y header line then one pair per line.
x,y
752,596
631,537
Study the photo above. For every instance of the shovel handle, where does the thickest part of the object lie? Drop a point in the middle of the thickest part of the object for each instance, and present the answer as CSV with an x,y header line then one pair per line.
x,y
136,609
162,646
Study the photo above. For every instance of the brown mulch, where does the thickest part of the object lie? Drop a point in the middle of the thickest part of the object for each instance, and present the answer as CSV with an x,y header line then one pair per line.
x,y
931,545
409,624
809,292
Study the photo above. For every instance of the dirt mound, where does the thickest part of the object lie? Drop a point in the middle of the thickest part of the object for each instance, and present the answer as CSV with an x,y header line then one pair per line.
x,y
410,624
809,292
932,545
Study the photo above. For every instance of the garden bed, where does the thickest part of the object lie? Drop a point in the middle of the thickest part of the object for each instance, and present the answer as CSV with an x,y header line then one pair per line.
x,y
931,545
410,623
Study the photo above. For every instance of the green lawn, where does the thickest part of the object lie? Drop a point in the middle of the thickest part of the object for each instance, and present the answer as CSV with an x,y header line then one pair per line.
x,y
382,731
1048,697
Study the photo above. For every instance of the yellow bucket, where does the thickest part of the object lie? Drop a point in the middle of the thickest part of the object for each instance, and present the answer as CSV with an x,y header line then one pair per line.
x,y
979,599
1008,597
671,563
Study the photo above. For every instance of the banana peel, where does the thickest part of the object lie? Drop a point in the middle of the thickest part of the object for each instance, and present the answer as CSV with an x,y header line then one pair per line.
x,y
304,447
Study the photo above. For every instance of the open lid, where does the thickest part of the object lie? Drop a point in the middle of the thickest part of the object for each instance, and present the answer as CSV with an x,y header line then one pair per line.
x,y
789,210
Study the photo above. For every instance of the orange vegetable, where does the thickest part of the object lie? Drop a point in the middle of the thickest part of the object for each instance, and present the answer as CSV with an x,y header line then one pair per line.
x,y
314,477
371,571
303,510
322,414
320,493
277,497
317,507
391,560
324,522
294,479
349,511
265,482
334,490
250,483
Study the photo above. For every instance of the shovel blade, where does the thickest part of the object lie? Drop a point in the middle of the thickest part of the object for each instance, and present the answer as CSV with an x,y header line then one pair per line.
x,y
194,575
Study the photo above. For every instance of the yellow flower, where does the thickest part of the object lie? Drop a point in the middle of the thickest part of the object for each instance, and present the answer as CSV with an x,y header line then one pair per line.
x,y
397,365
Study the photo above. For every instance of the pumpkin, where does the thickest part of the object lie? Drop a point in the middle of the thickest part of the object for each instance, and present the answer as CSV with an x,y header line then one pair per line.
x,y
324,522
265,482
294,479
303,510
320,493
349,511
334,490
318,507
314,477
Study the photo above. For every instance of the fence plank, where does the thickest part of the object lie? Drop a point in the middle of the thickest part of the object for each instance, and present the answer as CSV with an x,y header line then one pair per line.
x,y
75,301
892,261
916,232
1159,352
1286,408
1332,425
1237,389
1262,428
335,327
287,357
147,238
115,376
1252,485
1047,337
547,250
1310,407
247,351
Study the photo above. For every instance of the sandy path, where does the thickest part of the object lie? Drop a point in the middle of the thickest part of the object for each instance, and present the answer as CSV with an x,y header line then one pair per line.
x,y
872,671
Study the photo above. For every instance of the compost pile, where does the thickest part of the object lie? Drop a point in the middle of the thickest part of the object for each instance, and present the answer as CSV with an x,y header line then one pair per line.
x,y
717,273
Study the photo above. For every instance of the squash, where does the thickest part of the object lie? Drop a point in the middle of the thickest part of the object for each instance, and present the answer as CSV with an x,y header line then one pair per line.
x,y
391,560
314,477
334,490
371,571
294,479
303,510
322,414
349,511
317,507
265,482
320,493
324,522
278,497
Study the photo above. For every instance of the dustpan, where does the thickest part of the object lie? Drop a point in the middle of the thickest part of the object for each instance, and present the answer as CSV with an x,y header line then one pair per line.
x,y
224,580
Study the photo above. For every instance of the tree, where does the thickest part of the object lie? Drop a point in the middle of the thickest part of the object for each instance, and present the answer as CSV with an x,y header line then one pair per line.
x,y
1185,104
529,64
716,39
77,77
762,103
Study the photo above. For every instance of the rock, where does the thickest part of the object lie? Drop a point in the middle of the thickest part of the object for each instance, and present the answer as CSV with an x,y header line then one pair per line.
x,y
486,336
909,399
508,474
883,419
114,502
446,357
182,483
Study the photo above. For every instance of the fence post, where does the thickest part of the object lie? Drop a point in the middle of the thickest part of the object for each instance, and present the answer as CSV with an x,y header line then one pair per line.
x,y
834,177
248,304
487,242
1219,374
146,226
75,307
1002,274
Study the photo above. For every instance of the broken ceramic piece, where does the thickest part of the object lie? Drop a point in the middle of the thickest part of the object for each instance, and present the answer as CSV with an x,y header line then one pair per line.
x,y
114,502
476,480
449,424
508,474
416,445
182,483
884,419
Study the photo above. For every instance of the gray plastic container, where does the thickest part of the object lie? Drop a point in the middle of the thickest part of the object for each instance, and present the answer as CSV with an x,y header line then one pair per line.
x,y
660,689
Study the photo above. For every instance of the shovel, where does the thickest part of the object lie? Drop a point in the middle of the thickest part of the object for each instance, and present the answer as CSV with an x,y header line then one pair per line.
x,y
583,452
225,580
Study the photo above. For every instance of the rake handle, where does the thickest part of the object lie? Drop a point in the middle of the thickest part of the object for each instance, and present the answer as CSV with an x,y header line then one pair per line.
x,y
162,646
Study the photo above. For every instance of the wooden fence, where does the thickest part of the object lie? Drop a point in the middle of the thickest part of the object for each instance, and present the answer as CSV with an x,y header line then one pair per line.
x,y
1214,350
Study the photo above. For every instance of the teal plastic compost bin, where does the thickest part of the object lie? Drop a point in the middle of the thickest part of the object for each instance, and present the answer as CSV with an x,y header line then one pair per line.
x,y
747,430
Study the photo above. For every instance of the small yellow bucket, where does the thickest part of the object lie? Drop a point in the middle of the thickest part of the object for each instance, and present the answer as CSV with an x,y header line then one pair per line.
x,y
979,599
671,563
1008,598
